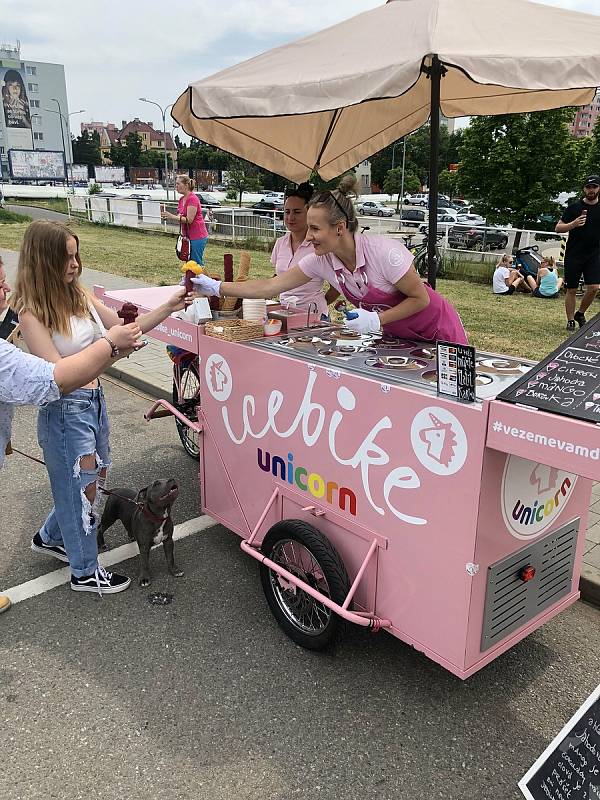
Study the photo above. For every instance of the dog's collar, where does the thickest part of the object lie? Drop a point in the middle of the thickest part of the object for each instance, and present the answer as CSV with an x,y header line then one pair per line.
x,y
148,514
153,517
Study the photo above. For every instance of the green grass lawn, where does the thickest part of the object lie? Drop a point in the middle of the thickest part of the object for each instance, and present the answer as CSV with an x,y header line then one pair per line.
x,y
9,217
518,325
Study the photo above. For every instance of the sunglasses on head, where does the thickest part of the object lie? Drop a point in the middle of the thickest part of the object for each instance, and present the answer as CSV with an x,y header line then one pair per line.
x,y
324,196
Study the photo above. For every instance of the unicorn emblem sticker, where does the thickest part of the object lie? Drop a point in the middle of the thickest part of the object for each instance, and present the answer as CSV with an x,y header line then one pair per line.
x,y
439,441
218,377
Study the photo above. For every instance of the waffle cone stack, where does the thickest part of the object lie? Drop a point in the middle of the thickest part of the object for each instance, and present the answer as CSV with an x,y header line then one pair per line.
x,y
244,267
230,303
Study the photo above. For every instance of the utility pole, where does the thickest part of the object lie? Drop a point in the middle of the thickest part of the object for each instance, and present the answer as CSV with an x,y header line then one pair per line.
x,y
163,112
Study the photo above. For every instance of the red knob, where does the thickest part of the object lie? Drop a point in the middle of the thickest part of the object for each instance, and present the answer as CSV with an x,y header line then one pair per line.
x,y
527,573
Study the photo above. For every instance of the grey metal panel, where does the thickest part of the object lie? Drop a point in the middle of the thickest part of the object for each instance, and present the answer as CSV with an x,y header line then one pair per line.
x,y
510,602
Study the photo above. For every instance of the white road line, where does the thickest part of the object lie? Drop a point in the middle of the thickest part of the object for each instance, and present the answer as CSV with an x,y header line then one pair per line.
x,y
60,576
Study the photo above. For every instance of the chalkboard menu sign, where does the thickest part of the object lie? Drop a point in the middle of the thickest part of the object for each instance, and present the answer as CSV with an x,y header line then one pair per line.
x,y
456,370
567,381
569,768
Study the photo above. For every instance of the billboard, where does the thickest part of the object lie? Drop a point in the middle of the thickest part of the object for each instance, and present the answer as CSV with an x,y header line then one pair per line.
x,y
109,174
35,165
206,178
15,108
78,172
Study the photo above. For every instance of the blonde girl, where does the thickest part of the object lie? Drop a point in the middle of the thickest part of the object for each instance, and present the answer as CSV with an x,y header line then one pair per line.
x,y
58,318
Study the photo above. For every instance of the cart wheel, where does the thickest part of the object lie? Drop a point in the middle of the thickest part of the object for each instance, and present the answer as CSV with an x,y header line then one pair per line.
x,y
186,403
303,550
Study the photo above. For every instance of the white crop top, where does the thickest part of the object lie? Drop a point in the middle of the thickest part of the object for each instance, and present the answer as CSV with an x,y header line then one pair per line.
x,y
84,332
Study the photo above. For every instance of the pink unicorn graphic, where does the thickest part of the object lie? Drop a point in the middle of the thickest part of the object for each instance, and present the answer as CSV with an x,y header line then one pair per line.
x,y
218,377
545,478
440,440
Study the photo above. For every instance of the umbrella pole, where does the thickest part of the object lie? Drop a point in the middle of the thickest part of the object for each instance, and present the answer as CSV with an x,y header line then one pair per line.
x,y
434,73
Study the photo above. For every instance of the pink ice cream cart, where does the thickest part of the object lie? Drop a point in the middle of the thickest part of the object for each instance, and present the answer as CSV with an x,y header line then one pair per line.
x,y
369,498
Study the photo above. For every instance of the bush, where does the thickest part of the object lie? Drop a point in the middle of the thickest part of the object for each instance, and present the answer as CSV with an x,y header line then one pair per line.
x,y
9,217
95,188
231,194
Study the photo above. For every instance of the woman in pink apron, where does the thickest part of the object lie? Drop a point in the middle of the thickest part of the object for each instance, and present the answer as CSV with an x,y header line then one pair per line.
x,y
374,272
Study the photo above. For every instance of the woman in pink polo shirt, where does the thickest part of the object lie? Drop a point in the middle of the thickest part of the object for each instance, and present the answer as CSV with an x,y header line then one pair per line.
x,y
189,216
291,248
374,272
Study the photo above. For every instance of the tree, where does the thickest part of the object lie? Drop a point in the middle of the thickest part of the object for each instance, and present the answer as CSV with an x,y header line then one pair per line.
x,y
133,146
515,164
589,155
155,158
417,154
448,183
118,155
86,148
393,183
243,177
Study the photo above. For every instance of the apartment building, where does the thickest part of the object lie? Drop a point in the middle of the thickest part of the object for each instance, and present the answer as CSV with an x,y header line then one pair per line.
x,y
35,110
585,118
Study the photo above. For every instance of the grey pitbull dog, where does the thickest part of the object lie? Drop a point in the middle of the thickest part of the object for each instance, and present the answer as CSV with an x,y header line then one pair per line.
x,y
146,516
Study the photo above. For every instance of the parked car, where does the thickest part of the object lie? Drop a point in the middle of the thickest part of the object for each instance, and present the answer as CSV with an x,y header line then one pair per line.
x,y
207,200
445,221
448,211
465,237
471,219
127,186
372,208
458,201
274,196
266,208
419,199
412,217
138,196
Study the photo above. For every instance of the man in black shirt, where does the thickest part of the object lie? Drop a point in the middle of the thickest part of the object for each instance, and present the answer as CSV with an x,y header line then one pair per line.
x,y
582,256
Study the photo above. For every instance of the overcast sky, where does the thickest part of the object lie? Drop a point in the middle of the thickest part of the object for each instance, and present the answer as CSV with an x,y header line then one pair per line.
x,y
117,51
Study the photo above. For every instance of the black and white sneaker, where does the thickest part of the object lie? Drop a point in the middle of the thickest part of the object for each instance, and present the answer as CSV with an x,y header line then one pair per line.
x,y
571,325
579,318
101,581
38,545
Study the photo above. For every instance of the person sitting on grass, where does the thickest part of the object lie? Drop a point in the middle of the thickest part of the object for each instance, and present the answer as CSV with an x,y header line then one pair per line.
x,y
548,283
506,279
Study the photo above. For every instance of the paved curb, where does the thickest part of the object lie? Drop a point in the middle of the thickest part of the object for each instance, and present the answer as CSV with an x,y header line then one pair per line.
x,y
589,585
139,383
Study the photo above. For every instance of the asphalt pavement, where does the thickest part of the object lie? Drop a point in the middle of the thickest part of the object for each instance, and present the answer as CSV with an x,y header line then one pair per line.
x,y
36,212
206,699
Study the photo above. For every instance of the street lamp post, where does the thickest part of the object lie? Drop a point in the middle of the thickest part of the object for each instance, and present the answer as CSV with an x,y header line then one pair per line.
x,y
394,146
402,181
163,112
62,136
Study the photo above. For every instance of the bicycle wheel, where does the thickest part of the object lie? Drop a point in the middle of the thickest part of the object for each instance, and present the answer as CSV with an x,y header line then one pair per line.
x,y
186,400
422,264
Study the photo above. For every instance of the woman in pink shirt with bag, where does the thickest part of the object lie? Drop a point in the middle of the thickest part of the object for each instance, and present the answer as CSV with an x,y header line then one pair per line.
x,y
291,248
190,218
374,272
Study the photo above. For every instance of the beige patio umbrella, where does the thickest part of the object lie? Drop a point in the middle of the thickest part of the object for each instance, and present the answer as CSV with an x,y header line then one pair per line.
x,y
330,100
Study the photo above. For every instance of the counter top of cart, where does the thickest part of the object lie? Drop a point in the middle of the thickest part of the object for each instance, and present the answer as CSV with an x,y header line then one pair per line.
x,y
375,273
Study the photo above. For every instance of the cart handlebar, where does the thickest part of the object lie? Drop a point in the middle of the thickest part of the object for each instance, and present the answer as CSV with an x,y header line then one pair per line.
x,y
152,414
